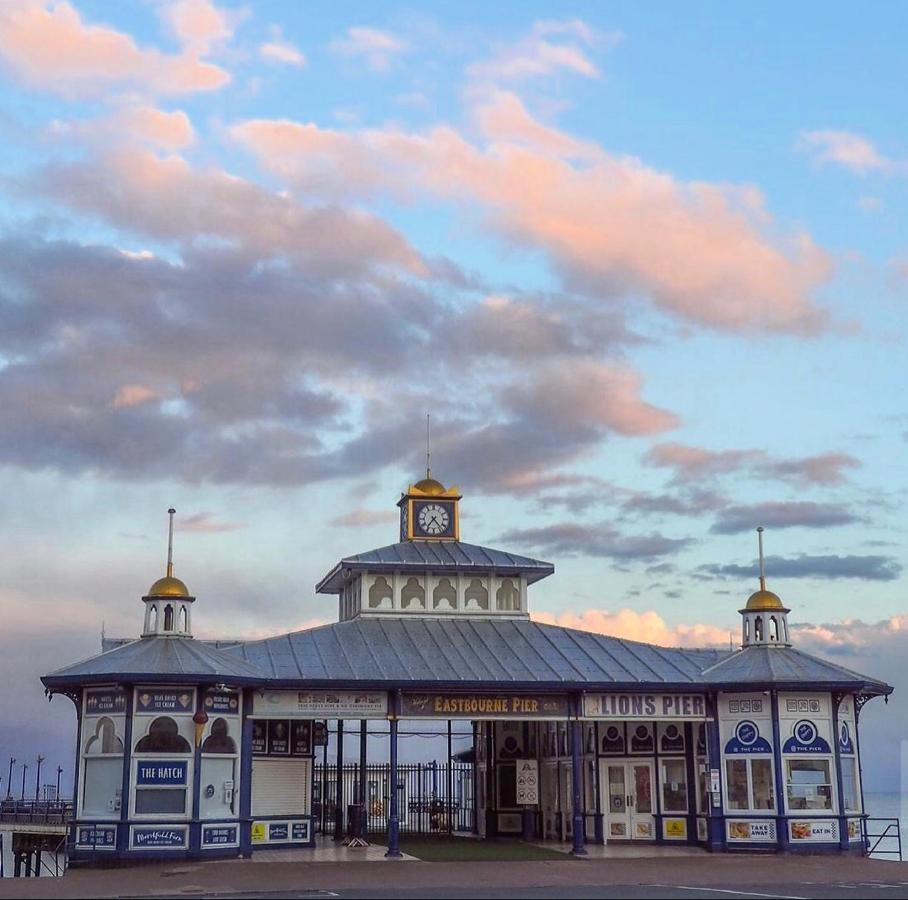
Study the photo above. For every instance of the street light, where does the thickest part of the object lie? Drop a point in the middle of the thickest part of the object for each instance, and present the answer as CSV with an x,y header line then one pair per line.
x,y
38,777
24,770
59,773
9,779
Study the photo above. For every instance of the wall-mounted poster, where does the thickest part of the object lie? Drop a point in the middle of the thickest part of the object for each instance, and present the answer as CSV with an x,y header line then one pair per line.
x,y
822,830
105,702
527,782
260,737
278,737
760,830
300,738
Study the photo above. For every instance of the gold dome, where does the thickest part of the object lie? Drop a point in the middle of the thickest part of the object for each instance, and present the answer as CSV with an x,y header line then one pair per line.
x,y
764,599
430,486
168,586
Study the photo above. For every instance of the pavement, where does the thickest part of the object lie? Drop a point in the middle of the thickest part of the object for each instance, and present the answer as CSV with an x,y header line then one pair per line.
x,y
719,876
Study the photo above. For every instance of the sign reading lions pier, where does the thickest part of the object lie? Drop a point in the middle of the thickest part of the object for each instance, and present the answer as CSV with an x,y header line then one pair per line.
x,y
484,706
644,706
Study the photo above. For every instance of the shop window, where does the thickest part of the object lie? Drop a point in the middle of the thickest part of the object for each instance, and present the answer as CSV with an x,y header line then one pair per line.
x,y
476,596
674,786
445,595
163,737
413,595
507,597
157,801
102,780
851,799
749,784
219,741
809,783
105,739
379,593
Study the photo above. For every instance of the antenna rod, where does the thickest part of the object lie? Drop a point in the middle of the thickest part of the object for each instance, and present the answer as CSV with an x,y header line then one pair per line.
x,y
762,573
170,512
428,453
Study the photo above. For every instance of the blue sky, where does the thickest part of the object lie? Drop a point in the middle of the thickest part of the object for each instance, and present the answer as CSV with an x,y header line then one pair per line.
x,y
644,264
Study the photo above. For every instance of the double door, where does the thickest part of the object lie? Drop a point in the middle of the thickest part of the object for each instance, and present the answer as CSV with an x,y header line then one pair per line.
x,y
627,797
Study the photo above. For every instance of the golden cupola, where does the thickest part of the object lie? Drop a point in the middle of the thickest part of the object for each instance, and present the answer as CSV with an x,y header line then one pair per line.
x,y
765,616
168,603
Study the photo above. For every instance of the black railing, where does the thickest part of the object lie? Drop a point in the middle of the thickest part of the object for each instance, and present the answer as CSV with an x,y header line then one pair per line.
x,y
36,812
882,836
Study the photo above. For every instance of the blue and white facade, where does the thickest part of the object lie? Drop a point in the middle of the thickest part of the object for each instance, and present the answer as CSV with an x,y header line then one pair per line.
x,y
200,749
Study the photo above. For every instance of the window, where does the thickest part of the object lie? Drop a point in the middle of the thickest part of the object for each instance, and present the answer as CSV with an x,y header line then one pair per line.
x,y
476,595
749,784
163,737
702,785
101,782
154,801
183,620
773,628
747,630
105,739
379,593
674,786
153,618
413,595
168,618
445,595
758,628
507,597
809,783
850,797
219,741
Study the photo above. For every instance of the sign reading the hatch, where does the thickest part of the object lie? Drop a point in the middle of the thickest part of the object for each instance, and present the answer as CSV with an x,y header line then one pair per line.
x,y
644,706
484,706
322,704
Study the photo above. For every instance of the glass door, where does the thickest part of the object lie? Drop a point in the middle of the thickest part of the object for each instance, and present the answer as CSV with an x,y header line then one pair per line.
x,y
642,823
618,799
628,799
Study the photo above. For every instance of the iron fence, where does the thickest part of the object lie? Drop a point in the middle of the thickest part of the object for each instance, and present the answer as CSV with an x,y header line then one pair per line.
x,y
882,836
432,798
36,812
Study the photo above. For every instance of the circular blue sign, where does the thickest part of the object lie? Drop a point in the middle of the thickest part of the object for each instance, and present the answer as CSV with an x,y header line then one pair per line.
x,y
805,732
747,732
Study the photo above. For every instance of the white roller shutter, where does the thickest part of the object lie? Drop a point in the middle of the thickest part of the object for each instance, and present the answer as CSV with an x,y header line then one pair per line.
x,y
281,787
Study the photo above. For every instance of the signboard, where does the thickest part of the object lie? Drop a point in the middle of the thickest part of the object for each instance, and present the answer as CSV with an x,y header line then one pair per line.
x,y
300,738
484,706
814,830
761,830
106,702
158,837
674,829
684,707
178,701
747,739
715,781
219,835
320,734
299,831
259,737
846,745
322,704
225,703
280,832
278,737
259,832
527,782
805,738
854,830
164,773
102,837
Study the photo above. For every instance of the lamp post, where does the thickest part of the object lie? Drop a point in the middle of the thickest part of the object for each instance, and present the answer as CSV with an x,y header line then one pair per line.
x,y
9,779
24,770
38,777
59,773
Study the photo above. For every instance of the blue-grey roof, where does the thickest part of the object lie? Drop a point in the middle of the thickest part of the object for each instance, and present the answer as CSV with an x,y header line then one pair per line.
x,y
418,556
158,659
469,652
785,666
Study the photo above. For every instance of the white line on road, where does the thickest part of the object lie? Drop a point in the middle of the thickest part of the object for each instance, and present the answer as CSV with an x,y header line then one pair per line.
x,y
734,893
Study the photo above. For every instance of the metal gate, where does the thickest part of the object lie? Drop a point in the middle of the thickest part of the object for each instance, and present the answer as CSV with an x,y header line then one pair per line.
x,y
432,798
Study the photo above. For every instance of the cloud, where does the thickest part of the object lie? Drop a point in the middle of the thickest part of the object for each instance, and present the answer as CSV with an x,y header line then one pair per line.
x,y
134,395
847,149
52,48
205,523
597,540
611,226
648,627
282,52
691,503
378,49
131,124
364,518
865,568
782,514
197,24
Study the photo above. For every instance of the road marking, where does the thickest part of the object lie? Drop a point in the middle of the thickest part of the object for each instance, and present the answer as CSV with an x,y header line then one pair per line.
x,y
684,887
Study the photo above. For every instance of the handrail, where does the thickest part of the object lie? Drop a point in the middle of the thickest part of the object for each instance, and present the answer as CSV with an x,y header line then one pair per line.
x,y
892,830
36,812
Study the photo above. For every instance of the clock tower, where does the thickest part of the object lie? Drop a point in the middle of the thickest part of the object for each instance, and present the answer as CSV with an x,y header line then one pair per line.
x,y
429,512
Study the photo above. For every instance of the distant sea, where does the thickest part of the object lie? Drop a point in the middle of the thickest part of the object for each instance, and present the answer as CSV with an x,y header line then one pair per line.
x,y
889,806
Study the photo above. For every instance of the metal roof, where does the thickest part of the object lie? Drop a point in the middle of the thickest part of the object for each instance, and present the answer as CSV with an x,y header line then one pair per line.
x,y
767,665
418,556
157,659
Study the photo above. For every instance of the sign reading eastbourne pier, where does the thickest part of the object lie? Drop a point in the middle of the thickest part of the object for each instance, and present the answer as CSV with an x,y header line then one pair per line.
x,y
484,706
644,706
321,705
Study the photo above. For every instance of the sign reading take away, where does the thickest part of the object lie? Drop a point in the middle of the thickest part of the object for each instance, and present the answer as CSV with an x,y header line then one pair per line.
x,y
527,782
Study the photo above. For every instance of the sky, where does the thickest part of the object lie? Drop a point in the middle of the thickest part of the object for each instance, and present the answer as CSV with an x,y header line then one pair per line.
x,y
644,265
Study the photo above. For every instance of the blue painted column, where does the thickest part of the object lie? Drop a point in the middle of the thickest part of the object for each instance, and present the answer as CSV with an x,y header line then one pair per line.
x,y
716,821
836,699
578,848
393,814
246,779
123,829
77,702
339,785
599,818
857,756
690,762
781,821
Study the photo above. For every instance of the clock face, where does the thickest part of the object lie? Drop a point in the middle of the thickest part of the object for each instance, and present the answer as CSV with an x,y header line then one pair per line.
x,y
433,519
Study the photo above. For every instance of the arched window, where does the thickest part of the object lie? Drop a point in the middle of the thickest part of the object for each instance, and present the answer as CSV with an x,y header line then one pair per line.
x,y
413,595
163,737
507,597
184,620
476,596
168,618
379,593
758,628
105,739
445,595
219,741
773,628
153,618
785,630
746,630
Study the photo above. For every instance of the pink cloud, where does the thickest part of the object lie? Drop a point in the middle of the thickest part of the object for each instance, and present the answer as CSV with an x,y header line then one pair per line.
x,y
377,48
206,523
610,225
51,47
847,149
197,24
282,52
134,395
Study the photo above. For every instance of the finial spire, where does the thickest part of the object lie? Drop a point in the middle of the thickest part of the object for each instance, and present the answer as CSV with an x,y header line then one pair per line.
x,y
170,512
762,572
428,451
